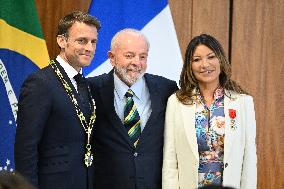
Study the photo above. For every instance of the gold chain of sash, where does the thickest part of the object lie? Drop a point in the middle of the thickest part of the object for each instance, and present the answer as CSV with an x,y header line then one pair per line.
x,y
88,127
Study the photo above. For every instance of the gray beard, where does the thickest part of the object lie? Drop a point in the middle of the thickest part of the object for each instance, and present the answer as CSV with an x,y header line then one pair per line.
x,y
121,72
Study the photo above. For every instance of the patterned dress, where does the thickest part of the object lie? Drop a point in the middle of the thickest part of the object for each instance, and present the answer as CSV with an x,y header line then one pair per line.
x,y
210,132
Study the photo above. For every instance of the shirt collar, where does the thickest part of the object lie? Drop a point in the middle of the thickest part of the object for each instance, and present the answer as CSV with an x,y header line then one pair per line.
x,y
121,88
218,94
70,71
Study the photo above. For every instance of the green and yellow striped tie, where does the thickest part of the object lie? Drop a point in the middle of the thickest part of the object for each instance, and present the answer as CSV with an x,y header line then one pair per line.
x,y
131,118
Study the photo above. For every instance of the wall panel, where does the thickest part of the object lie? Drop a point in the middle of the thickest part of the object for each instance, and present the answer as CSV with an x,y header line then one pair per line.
x,y
50,12
212,17
194,17
257,60
182,16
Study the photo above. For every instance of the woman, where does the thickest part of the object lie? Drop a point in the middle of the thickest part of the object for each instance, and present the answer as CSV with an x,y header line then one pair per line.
x,y
210,124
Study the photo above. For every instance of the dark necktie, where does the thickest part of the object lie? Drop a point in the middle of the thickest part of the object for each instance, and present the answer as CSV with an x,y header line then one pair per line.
x,y
132,118
83,93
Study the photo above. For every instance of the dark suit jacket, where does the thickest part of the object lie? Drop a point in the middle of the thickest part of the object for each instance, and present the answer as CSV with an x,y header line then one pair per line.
x,y
118,165
50,142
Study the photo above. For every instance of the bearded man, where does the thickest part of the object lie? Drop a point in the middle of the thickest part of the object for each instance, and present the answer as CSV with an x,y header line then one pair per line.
x,y
129,128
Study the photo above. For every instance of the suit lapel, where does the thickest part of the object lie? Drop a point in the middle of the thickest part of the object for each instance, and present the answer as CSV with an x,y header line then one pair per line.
x,y
230,133
155,104
65,76
188,121
107,95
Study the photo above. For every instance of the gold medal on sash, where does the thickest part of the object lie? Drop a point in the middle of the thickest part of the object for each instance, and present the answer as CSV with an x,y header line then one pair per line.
x,y
88,156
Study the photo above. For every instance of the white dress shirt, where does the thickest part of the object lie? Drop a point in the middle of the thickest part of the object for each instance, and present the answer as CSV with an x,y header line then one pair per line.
x,y
70,71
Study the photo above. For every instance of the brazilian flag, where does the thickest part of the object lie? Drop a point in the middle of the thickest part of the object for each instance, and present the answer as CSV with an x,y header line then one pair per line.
x,y
22,51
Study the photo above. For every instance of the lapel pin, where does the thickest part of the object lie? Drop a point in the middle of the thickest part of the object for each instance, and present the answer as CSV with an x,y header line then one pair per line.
x,y
232,115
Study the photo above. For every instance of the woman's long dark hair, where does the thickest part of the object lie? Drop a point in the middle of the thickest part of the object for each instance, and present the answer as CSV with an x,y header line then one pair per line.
x,y
187,80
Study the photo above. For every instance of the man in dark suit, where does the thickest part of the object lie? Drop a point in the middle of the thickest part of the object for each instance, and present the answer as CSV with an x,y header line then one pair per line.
x,y
56,112
129,128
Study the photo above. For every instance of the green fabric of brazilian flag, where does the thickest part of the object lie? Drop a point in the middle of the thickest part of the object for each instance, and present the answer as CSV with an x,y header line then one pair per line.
x,y
22,51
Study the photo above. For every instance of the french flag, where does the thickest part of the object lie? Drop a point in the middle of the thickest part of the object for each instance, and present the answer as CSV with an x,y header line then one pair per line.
x,y
153,18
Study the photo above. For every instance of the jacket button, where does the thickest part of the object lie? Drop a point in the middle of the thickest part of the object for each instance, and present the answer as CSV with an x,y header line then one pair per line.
x,y
226,165
135,154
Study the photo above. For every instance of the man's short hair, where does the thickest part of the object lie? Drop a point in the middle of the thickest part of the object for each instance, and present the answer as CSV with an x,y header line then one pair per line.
x,y
77,16
115,39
